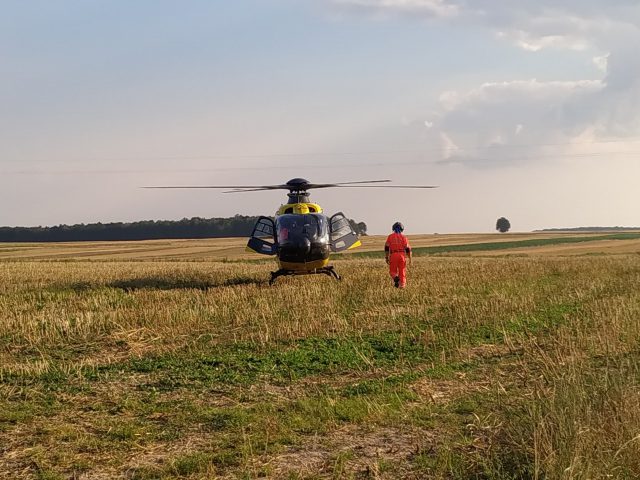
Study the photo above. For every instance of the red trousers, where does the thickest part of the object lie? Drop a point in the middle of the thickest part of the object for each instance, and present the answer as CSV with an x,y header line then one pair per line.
x,y
398,267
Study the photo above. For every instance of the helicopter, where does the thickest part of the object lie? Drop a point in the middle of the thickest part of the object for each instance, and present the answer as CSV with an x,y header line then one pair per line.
x,y
300,235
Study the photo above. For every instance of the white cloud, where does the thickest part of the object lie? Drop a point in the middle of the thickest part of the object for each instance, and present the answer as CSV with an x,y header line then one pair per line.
x,y
486,123
555,113
489,117
449,148
532,25
535,42
601,62
424,8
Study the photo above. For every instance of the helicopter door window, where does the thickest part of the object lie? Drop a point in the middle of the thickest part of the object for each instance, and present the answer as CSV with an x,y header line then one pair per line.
x,y
262,238
342,235
263,229
340,227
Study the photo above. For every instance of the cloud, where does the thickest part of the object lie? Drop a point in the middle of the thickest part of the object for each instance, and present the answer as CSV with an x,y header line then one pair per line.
x,y
532,25
423,8
544,112
601,62
484,122
486,125
535,43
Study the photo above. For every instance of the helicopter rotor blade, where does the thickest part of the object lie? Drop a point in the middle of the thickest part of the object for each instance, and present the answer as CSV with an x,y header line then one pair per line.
x,y
295,187
362,181
256,188
341,186
240,187
259,189
331,185
387,186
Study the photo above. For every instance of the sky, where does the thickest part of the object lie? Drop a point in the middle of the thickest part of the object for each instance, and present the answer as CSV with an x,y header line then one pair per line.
x,y
528,110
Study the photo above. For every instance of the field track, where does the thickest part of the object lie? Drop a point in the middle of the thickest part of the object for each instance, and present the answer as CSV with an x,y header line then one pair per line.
x,y
176,360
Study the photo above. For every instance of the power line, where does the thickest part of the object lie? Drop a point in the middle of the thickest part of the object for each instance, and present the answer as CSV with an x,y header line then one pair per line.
x,y
305,166
421,150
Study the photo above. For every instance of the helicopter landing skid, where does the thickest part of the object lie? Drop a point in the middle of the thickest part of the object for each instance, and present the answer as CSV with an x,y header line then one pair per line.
x,y
330,271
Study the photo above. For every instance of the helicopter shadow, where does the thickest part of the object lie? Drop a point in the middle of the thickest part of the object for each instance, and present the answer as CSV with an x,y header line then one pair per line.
x,y
162,283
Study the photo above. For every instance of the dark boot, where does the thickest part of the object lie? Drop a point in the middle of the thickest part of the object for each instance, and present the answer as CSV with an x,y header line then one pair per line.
x,y
396,282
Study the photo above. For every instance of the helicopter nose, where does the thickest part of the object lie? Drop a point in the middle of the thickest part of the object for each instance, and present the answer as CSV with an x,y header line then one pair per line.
x,y
304,245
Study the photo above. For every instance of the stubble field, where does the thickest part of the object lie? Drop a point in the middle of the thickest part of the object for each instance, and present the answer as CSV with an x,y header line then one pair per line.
x,y
151,362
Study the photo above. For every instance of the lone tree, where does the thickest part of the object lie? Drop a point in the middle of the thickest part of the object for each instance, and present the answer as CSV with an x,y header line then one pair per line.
x,y
503,225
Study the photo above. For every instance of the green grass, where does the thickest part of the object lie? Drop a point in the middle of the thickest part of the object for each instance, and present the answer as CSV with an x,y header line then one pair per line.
x,y
483,368
493,246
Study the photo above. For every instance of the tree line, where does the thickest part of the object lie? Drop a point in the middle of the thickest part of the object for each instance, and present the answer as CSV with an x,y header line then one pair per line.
x,y
196,227
589,229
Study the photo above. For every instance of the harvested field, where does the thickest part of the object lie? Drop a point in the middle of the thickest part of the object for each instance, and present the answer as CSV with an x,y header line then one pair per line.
x,y
175,359
231,249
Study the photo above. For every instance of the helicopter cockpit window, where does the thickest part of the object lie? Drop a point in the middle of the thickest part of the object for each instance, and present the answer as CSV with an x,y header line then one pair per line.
x,y
311,226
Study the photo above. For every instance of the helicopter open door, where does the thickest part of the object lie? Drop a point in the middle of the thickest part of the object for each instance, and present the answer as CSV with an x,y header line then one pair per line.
x,y
343,237
263,238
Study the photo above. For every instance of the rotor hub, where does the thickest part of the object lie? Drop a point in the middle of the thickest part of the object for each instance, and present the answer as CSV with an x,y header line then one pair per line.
x,y
298,196
298,190
298,184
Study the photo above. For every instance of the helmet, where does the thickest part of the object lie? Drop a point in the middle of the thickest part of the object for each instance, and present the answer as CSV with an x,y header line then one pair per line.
x,y
397,227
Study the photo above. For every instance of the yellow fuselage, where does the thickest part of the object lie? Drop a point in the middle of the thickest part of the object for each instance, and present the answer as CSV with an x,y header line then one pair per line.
x,y
301,209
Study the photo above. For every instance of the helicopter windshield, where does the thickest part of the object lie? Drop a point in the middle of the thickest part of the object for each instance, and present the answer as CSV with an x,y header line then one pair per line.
x,y
291,226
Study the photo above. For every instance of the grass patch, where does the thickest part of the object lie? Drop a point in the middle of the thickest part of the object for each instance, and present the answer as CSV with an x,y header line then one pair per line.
x,y
493,246
483,368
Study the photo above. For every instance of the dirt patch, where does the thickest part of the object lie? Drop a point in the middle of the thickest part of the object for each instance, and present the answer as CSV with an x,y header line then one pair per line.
x,y
352,450
441,391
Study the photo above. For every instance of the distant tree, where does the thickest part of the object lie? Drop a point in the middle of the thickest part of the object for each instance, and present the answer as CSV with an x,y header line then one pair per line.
x,y
359,227
503,225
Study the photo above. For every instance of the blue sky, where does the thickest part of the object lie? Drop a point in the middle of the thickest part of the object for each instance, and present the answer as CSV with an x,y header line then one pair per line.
x,y
528,111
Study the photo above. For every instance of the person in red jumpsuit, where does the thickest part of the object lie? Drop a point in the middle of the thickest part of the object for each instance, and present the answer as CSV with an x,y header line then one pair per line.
x,y
397,250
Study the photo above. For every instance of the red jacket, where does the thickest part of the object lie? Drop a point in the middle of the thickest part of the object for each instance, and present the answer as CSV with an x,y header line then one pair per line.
x,y
397,243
